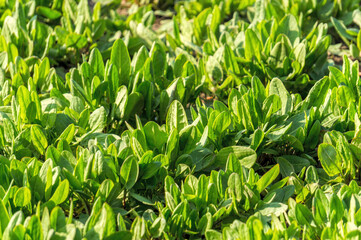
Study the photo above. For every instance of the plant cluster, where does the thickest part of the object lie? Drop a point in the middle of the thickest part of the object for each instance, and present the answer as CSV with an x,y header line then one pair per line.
x,y
212,119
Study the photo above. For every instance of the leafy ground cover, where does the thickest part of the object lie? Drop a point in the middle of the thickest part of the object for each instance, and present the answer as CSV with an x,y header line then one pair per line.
x,y
212,119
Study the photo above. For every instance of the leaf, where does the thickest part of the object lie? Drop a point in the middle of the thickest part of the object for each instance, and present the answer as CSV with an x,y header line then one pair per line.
x,y
235,186
341,30
61,193
98,120
105,224
120,58
205,223
176,117
75,40
253,45
303,215
22,197
268,178
320,204
330,159
286,167
213,235
96,63
38,139
121,102
233,164
134,105
230,60
289,26
216,19
158,57
260,13
344,96
244,114
276,87
142,199
172,147
257,139
68,134
336,209
129,172
24,99
221,123
313,135
157,227
46,12
245,155
83,11
120,235
258,89
214,68
199,25
317,94
34,228
273,208
57,219
202,158
4,217
112,78
155,135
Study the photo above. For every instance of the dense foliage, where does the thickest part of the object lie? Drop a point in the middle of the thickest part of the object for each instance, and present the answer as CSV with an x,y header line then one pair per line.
x,y
212,119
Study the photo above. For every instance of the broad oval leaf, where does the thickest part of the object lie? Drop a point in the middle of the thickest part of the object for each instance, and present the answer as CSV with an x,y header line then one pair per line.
x,y
98,120
176,117
129,172
277,87
120,58
330,159
22,197
61,192
38,139
245,155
